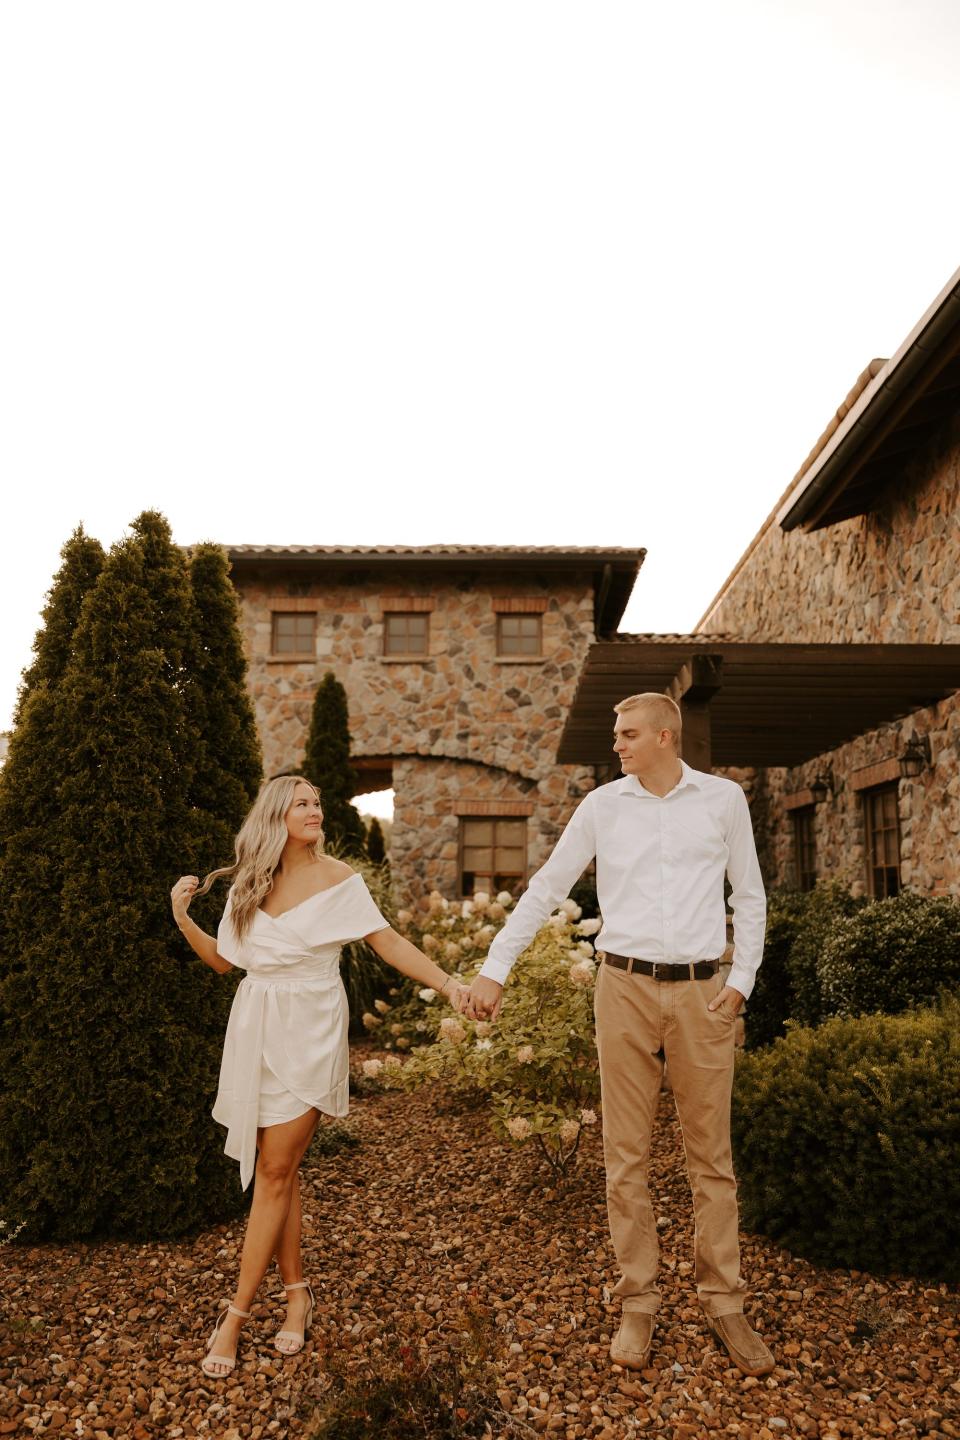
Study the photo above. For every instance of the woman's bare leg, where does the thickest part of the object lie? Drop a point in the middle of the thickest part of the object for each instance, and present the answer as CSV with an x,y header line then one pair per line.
x,y
290,1263
281,1148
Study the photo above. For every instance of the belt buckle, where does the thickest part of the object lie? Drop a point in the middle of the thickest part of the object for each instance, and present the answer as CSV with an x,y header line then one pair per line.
x,y
657,966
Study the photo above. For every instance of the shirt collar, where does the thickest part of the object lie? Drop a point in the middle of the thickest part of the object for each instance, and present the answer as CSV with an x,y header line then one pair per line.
x,y
688,776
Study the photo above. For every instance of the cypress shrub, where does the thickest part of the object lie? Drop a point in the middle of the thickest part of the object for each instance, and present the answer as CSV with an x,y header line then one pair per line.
x,y
771,1003
846,1140
892,954
122,1042
376,850
326,764
228,769
31,837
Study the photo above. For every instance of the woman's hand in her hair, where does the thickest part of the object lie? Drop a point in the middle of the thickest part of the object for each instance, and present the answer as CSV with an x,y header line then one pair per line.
x,y
181,895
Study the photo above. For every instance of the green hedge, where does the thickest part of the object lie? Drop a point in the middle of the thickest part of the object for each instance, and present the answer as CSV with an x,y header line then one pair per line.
x,y
799,929
846,1140
890,955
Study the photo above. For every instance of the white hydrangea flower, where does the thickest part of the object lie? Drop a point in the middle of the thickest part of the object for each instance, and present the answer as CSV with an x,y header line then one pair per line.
x,y
393,1062
519,1127
404,917
382,1006
370,1022
586,948
452,950
588,1117
525,1054
403,1042
496,911
569,1131
505,899
466,909
582,973
451,1029
558,920
484,1045
481,900
589,927
429,943
427,994
571,909
396,1029
482,1029
421,1027
372,1068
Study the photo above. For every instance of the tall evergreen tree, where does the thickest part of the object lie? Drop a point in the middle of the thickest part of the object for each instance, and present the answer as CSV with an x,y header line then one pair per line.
x,y
31,829
376,849
122,1045
229,769
81,562
326,765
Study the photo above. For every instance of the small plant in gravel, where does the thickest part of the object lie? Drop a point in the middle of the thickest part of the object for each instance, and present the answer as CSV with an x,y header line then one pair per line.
x,y
406,1395
333,1139
536,1067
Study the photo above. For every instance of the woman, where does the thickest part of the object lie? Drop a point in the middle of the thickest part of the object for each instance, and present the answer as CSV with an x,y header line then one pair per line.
x,y
285,1057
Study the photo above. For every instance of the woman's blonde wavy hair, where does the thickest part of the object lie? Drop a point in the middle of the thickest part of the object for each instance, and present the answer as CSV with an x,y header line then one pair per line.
x,y
259,846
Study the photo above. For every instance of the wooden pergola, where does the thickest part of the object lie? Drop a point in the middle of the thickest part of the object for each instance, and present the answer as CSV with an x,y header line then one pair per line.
x,y
754,703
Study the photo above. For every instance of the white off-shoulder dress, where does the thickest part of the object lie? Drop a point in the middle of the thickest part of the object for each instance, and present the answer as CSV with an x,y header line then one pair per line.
x,y
285,1050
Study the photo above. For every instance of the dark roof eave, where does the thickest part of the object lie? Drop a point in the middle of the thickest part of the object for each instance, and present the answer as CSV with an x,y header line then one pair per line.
x,y
925,350
621,563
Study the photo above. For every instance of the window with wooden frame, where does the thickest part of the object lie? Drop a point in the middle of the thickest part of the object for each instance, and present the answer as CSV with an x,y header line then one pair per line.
x,y
520,635
805,847
406,633
293,633
493,855
881,821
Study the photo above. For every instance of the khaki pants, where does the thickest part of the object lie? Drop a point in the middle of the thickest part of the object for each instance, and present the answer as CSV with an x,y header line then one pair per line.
x,y
641,1021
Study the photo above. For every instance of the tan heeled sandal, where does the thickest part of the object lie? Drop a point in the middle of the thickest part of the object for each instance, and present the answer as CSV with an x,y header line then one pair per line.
x,y
229,1360
297,1337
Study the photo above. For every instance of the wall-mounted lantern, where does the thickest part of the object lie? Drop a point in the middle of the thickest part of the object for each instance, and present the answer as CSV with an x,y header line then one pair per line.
x,y
915,757
821,787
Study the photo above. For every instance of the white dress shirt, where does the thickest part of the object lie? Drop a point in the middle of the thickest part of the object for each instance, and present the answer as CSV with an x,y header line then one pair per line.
x,y
661,862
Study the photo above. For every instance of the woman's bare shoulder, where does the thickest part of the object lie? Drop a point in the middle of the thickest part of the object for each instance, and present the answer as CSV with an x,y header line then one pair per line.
x,y
335,870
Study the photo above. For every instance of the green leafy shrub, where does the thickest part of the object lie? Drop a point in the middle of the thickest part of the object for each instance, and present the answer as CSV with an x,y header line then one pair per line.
x,y
772,1001
535,1069
846,1140
892,954
800,925
365,976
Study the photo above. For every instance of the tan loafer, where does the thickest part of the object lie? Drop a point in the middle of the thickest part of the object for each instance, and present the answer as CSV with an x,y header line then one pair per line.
x,y
630,1346
743,1345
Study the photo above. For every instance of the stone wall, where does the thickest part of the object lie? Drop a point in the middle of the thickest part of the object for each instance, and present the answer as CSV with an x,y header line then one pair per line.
x,y
461,725
889,576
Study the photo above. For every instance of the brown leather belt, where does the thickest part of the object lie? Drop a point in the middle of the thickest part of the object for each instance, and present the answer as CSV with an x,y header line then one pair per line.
x,y
664,970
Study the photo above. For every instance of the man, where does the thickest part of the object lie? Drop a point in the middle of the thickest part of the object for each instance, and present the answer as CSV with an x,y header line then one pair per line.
x,y
663,838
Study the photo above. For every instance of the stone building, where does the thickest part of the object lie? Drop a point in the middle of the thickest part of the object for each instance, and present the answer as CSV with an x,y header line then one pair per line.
x,y
459,664
824,674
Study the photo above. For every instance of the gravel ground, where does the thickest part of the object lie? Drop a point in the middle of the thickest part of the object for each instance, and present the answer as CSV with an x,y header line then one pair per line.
x,y
427,1214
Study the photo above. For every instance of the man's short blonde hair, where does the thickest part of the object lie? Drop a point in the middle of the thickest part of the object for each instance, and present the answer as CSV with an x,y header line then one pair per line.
x,y
658,710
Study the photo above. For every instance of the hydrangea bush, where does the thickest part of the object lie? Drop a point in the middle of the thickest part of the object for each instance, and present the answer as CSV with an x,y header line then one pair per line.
x,y
536,1067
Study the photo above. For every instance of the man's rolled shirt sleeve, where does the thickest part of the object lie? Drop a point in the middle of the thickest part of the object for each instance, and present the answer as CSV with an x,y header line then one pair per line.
x,y
552,883
748,899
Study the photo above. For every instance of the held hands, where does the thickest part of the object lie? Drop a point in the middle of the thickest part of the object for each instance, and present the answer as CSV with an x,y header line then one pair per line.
x,y
181,895
729,999
483,999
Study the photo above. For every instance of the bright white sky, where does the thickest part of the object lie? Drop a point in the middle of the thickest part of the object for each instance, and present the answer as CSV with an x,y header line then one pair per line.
x,y
515,272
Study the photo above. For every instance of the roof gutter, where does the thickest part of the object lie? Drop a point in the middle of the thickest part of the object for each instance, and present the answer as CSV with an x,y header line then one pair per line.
x,y
923,353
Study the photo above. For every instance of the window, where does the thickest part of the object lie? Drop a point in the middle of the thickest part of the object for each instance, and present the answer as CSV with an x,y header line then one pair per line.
x,y
293,633
882,826
519,635
493,855
406,634
805,847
